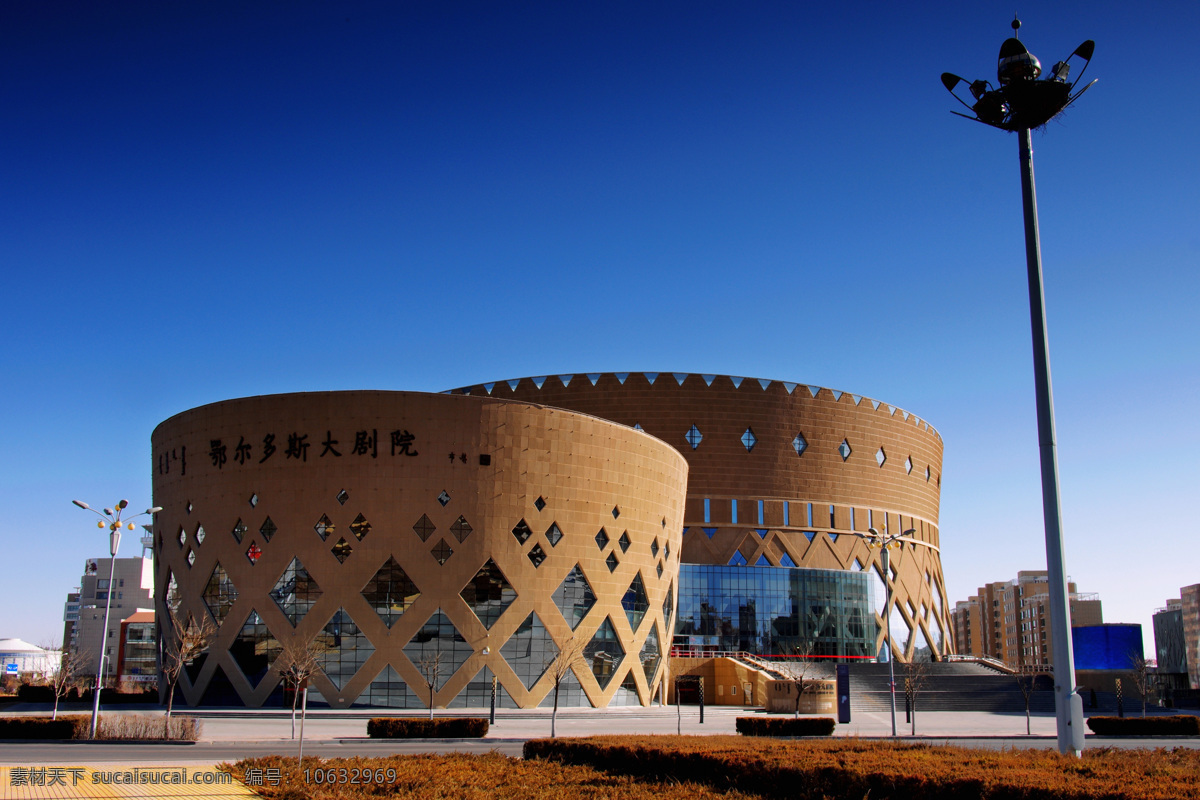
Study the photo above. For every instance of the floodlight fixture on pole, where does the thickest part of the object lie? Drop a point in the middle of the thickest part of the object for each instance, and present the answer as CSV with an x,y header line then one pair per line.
x,y
1021,104
885,541
111,519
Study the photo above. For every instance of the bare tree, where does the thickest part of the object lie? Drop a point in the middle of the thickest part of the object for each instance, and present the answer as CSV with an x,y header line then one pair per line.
x,y
1027,683
570,655
184,642
297,664
70,673
797,669
1142,674
431,665
916,674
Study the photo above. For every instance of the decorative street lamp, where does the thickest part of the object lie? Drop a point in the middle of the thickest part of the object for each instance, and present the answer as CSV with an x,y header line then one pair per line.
x,y
885,541
1020,104
111,519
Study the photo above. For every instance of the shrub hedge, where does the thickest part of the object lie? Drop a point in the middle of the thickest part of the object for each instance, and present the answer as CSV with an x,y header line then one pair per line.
x,y
45,694
73,726
853,769
132,727
786,726
1180,725
444,728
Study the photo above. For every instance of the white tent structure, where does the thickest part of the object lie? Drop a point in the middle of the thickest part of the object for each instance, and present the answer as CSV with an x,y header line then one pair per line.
x,y
22,658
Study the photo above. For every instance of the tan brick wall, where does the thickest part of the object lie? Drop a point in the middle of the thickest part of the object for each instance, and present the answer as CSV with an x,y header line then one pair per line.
x,y
722,469
582,467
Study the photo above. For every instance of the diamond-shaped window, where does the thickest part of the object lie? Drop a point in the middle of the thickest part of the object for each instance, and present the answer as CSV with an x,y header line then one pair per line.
x,y
530,651
537,555
268,530
693,437
171,593
522,531
182,536
255,649
612,562
908,466
616,512
604,653
667,550
651,655
443,498
343,496
200,534
295,592
928,474
253,501
441,551
635,602
654,547
749,439
602,538
253,553
342,550
324,527
574,597
668,608
191,556
539,503
553,534
239,530
880,457
489,593
189,507
437,650
424,527
219,594
343,648
799,444
360,527
624,542
461,528
844,449
659,568
390,592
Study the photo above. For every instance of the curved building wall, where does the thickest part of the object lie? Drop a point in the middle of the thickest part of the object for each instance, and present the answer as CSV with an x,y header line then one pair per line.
x,y
779,472
396,530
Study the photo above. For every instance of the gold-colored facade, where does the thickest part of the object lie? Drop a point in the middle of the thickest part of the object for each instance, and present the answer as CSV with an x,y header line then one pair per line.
x,y
390,527
780,473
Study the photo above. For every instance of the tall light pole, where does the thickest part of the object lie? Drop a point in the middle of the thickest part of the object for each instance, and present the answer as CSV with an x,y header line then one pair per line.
x,y
111,519
1021,104
885,541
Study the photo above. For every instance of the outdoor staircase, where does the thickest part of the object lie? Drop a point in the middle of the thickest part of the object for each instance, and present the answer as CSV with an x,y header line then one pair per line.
x,y
947,687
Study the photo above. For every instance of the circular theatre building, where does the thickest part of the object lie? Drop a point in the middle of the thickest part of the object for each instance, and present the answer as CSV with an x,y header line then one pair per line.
x,y
412,541
779,474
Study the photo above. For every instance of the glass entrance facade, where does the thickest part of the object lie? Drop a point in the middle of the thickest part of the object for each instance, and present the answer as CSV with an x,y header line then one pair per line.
x,y
775,611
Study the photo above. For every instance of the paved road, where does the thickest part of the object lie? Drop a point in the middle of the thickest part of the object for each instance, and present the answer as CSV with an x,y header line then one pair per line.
x,y
231,734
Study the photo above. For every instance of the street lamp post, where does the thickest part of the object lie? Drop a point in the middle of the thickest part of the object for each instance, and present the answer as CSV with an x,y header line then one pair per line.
x,y
1021,104
492,711
885,542
111,519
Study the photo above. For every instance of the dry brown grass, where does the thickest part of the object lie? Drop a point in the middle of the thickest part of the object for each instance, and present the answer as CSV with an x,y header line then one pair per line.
x,y
655,768
848,768
146,726
473,777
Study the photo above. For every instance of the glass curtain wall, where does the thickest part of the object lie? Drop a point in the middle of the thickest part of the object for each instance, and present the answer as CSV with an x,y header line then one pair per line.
x,y
775,611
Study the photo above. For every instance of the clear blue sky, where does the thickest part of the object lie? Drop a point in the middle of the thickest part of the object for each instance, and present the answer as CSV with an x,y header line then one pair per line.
x,y
210,200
